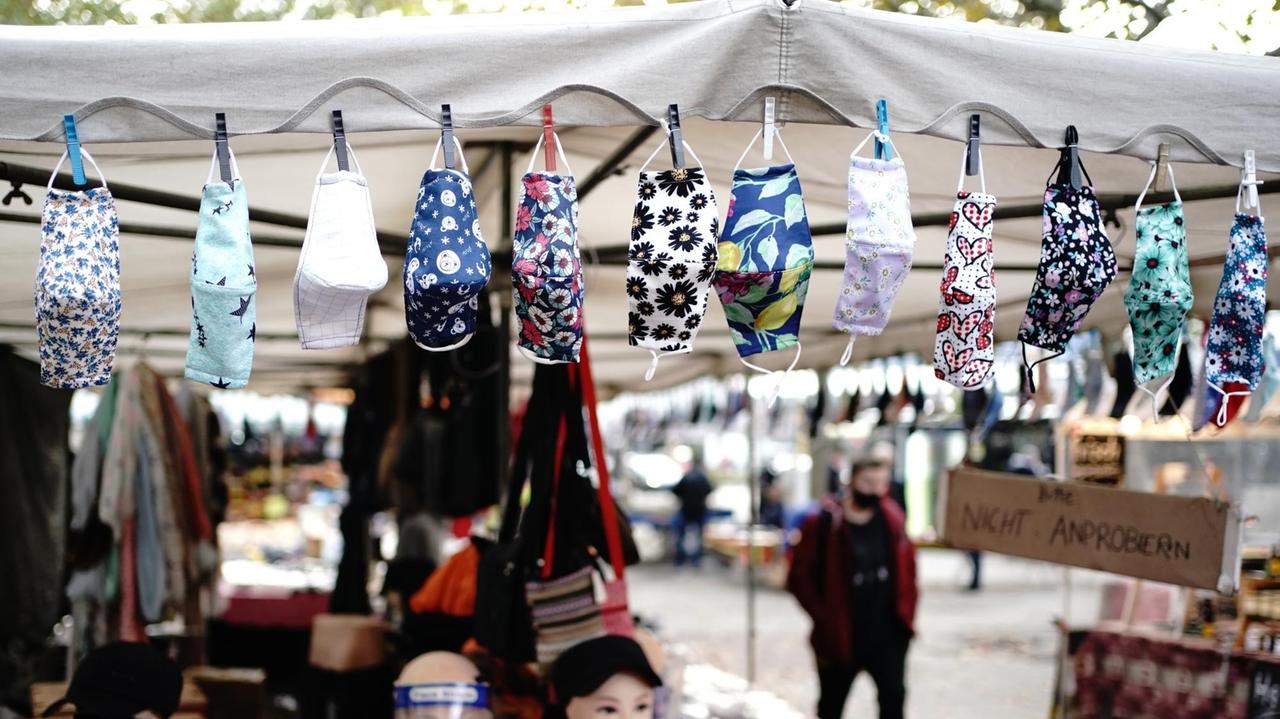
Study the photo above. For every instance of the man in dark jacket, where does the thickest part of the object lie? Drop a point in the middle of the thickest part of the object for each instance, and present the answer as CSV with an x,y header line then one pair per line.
x,y
854,573
692,490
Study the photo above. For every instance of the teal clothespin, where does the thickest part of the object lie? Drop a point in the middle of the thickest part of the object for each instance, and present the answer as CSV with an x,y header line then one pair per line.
x,y
882,126
73,150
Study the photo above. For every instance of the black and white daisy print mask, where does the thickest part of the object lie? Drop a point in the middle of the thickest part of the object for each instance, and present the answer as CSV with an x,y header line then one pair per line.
x,y
671,259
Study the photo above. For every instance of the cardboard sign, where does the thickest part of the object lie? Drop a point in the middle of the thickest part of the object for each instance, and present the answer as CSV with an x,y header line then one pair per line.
x,y
1180,540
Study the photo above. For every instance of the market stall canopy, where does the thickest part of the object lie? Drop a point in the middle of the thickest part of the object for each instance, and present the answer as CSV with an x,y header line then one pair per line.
x,y
140,94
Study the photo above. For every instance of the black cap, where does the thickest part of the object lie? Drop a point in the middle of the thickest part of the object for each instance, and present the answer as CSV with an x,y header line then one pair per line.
x,y
120,680
587,666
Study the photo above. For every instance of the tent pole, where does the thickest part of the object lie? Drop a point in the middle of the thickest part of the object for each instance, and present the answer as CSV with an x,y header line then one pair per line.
x,y
753,451
506,237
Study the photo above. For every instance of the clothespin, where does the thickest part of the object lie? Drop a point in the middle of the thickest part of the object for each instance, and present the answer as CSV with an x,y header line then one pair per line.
x,y
770,108
73,149
446,133
973,153
1162,167
882,127
340,141
1069,163
220,144
675,136
1249,180
548,138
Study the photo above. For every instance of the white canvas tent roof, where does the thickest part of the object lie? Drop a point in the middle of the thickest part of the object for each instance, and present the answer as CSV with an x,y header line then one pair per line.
x,y
141,93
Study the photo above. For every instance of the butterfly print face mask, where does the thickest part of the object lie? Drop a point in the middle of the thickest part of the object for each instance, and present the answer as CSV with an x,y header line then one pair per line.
x,y
546,269
964,348
671,259
447,263
1159,293
1076,265
77,288
223,284
766,258
1233,356
340,264
878,245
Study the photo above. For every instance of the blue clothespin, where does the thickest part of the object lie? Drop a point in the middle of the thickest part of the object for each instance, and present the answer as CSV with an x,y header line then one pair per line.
x,y
882,126
73,150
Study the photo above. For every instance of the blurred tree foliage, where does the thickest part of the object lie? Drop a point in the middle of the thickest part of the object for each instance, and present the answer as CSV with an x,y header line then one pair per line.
x,y
1133,19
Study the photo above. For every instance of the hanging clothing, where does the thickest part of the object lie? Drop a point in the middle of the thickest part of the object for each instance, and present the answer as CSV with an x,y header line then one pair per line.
x,y
1233,357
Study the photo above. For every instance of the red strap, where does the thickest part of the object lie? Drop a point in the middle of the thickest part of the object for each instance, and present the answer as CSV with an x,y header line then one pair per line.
x,y
608,513
549,551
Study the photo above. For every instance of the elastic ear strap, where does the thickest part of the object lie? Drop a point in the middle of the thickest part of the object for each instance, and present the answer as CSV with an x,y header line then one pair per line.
x,y
538,145
1226,402
351,155
439,140
750,145
848,351
231,159
63,158
884,140
773,397
665,141
982,177
653,366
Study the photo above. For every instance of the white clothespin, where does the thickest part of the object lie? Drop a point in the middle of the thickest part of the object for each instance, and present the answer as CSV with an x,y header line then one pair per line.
x,y
770,108
1249,180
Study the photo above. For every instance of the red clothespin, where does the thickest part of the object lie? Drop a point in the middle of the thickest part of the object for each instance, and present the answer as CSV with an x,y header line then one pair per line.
x,y
548,139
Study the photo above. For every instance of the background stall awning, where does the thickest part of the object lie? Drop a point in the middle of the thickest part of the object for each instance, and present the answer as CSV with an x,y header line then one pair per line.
x,y
141,93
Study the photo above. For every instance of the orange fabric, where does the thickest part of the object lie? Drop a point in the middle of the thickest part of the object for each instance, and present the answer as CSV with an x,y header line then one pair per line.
x,y
451,589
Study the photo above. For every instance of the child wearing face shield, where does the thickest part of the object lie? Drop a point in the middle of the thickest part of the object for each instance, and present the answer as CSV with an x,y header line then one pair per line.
x,y
607,676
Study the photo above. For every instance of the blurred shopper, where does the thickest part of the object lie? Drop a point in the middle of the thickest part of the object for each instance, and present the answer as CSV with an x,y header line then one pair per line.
x,y
123,680
692,490
854,573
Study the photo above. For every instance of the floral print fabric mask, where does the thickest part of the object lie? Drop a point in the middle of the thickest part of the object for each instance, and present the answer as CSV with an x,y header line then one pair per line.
x,y
447,264
77,288
964,347
1159,293
766,258
671,259
546,269
878,244
1076,265
1233,357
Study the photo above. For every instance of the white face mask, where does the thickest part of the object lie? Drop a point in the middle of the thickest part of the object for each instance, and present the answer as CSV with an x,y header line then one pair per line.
x,y
340,264
79,262
878,245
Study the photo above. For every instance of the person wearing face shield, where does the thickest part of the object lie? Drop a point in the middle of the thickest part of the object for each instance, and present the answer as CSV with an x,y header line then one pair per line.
x,y
854,573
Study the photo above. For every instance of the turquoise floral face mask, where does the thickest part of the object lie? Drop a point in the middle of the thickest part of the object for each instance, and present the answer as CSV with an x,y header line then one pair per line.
x,y
765,260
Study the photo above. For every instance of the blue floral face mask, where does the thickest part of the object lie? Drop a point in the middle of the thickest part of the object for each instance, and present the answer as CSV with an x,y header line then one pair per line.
x,y
446,263
766,258
77,289
223,285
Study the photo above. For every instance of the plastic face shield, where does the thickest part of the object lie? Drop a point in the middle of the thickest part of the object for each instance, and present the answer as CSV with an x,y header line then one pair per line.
x,y
443,701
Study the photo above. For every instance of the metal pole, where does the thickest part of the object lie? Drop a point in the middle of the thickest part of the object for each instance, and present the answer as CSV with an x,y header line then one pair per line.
x,y
506,237
753,433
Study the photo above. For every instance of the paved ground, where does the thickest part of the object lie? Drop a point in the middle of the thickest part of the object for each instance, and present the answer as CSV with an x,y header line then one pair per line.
x,y
987,655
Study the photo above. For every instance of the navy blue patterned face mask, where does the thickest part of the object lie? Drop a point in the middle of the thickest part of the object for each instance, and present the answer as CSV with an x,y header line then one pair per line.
x,y
447,263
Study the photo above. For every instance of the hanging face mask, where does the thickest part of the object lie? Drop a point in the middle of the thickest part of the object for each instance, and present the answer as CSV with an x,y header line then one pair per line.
x,y
1159,293
964,348
77,288
446,263
1076,265
878,245
546,269
340,264
223,284
671,259
1233,356
766,258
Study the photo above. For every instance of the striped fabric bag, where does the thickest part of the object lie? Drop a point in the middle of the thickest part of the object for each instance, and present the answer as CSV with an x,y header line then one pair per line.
x,y
565,612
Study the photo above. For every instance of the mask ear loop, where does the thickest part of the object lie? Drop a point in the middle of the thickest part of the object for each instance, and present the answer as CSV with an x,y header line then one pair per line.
x,y
884,140
213,165
665,140
350,154
777,135
1151,178
982,177
773,396
85,153
848,351
457,144
657,355
538,146
1029,368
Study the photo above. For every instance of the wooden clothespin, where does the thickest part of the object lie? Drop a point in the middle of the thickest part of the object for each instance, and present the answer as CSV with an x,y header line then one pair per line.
x,y
1069,162
1162,168
223,150
1249,180
446,135
973,152
770,110
340,142
73,149
882,127
675,137
548,138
